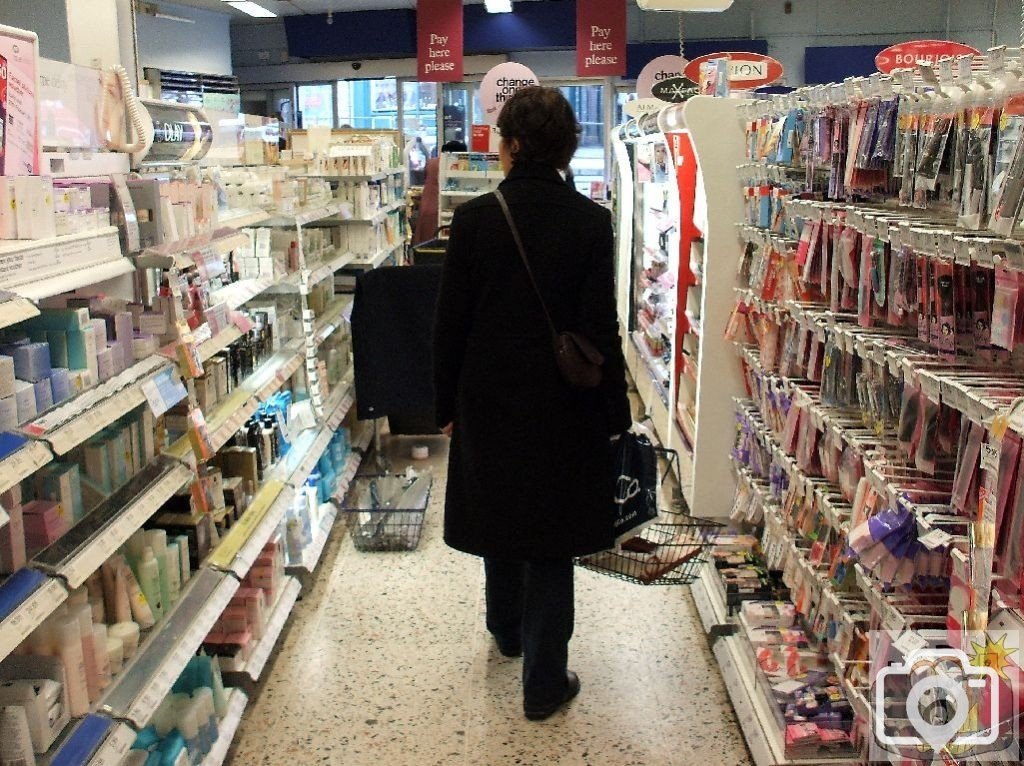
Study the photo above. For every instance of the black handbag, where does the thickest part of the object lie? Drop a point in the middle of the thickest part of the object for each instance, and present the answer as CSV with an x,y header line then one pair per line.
x,y
635,468
578,359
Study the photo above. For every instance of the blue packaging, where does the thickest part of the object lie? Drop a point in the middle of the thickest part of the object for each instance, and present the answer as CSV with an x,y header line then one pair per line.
x,y
32,361
60,384
18,587
44,395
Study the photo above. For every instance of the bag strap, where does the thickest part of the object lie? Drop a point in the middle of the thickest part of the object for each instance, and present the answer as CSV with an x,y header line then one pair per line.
x,y
522,254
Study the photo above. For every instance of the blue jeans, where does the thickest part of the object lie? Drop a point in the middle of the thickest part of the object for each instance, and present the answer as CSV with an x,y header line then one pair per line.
x,y
531,602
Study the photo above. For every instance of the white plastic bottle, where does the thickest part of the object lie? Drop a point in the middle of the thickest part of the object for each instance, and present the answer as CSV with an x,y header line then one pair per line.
x,y
157,540
83,613
99,647
70,653
186,564
173,573
188,726
149,581
141,610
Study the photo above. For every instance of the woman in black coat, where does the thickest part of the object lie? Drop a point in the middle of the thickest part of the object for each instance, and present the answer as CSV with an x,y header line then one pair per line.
x,y
529,480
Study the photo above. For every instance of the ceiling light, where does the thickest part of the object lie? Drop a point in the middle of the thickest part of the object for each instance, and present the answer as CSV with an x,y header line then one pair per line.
x,y
498,6
247,6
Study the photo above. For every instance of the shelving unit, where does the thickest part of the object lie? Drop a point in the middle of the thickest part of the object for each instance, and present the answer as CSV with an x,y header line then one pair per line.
x,y
279,612
463,176
237,702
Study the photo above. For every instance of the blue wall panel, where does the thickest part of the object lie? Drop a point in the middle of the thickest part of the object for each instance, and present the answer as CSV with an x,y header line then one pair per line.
x,y
835,63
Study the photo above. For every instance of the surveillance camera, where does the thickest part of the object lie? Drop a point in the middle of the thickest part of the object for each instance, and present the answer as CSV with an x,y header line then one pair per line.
x,y
330,17
357,65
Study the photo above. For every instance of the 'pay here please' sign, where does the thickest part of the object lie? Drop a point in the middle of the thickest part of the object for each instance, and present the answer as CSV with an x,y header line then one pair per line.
x,y
600,38
439,40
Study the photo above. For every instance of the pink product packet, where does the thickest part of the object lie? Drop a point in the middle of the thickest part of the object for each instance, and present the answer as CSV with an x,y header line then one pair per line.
x,y
967,467
1004,310
1010,534
1008,466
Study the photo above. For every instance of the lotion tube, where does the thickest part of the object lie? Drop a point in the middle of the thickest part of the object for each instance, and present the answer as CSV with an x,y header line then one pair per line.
x,y
141,610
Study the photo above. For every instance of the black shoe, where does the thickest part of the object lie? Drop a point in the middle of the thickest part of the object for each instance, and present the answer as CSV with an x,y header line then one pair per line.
x,y
509,648
571,690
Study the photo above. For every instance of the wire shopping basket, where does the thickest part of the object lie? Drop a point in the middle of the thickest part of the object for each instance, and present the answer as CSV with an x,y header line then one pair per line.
x,y
669,552
386,529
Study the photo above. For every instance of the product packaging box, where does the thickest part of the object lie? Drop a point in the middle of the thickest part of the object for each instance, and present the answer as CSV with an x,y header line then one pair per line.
x,y
60,383
8,213
61,482
8,413
25,398
6,376
97,463
12,541
31,361
44,395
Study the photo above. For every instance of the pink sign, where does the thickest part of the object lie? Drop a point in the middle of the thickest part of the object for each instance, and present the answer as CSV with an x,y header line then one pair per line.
x,y
661,68
499,84
600,38
19,134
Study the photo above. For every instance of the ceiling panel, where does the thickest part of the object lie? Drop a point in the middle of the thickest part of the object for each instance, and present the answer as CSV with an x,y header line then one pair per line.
x,y
291,7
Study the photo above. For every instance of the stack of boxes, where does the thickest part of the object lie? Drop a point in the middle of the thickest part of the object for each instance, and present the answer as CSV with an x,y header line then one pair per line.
x,y
31,207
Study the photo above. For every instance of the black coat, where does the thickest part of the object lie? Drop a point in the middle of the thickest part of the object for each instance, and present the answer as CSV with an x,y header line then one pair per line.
x,y
529,471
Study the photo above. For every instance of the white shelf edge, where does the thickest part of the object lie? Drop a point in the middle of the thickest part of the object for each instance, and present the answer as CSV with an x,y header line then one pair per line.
x,y
247,554
245,219
311,555
379,215
22,463
83,276
219,342
97,407
712,614
378,258
15,310
227,728
30,614
275,626
328,323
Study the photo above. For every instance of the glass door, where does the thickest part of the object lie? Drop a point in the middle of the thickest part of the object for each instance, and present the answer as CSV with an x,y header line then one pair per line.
x,y
460,108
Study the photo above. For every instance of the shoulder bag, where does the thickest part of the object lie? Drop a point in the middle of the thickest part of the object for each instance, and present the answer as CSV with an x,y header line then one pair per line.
x,y
578,359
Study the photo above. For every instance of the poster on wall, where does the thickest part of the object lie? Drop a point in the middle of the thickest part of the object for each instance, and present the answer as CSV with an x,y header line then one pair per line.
x,y
19,133
500,83
657,71
79,107
746,71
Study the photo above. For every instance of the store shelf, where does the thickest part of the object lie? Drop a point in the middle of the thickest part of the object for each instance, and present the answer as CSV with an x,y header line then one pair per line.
x,y
332,319
303,456
185,254
311,555
373,261
339,402
710,602
39,268
346,476
756,719
237,294
106,528
380,215
73,280
246,538
227,728
352,179
270,376
243,219
22,463
463,194
30,614
311,214
488,174
115,747
288,595
143,684
14,309
327,269
71,423
212,346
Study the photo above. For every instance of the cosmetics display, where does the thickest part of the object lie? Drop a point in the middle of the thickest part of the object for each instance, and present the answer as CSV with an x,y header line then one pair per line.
x,y
271,188
463,176
350,153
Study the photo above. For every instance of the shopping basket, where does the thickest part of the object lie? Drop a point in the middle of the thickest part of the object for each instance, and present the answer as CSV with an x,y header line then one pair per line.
x,y
433,250
385,529
669,552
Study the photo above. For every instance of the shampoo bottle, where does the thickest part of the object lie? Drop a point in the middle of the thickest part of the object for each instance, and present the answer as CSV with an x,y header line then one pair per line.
x,y
83,613
186,568
99,646
157,540
122,606
149,581
74,666
173,573
141,609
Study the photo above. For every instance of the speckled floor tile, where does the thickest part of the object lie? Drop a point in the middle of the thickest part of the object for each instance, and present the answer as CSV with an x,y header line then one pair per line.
x,y
387,663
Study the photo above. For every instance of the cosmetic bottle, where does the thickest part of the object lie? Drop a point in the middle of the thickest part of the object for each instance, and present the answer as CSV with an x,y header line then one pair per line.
x,y
157,540
99,646
115,651
220,695
122,610
142,611
188,727
70,653
149,581
83,613
173,573
183,554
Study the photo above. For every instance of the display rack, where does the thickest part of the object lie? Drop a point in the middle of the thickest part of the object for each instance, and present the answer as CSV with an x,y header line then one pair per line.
x,y
237,702
463,176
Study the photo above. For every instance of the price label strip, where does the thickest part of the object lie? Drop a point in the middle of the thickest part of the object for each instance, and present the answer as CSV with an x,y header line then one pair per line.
x,y
278,617
253,546
30,615
175,644
22,464
115,747
311,556
311,458
228,727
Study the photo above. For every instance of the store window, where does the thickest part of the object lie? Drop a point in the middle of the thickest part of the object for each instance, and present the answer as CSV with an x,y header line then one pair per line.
x,y
589,165
316,105
419,113
368,104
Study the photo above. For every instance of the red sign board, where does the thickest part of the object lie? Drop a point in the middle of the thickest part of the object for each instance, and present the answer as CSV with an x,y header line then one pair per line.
x,y
746,70
481,138
906,55
439,40
600,38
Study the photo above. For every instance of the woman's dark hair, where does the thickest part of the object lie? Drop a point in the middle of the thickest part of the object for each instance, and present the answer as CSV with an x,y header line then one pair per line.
x,y
454,146
543,122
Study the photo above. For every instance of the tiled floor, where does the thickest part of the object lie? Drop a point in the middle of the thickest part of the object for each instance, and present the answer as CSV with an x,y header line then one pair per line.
x,y
387,663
